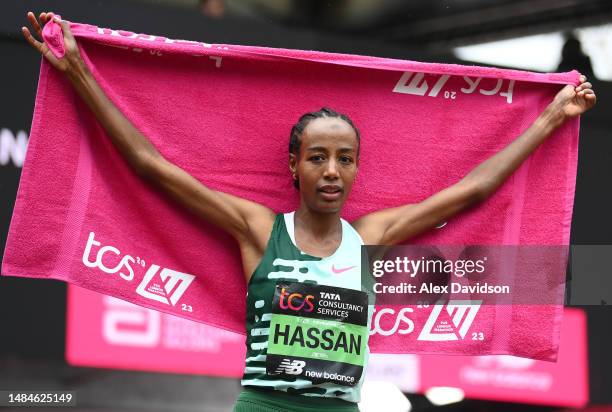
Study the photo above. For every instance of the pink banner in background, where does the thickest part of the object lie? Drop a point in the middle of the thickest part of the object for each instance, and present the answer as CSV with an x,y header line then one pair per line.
x,y
513,379
105,332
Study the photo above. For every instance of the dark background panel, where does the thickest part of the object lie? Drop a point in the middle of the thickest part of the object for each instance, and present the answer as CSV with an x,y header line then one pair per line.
x,y
32,313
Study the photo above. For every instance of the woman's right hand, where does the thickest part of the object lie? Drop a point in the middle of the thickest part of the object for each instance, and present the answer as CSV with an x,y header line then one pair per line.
x,y
72,57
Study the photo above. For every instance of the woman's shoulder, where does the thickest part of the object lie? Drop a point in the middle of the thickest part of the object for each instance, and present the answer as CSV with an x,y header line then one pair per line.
x,y
350,228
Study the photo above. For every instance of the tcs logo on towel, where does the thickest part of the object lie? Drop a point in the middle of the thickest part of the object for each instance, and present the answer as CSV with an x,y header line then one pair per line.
x,y
447,321
167,287
414,83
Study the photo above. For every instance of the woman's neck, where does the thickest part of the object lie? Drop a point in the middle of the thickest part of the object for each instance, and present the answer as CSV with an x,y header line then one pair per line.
x,y
318,225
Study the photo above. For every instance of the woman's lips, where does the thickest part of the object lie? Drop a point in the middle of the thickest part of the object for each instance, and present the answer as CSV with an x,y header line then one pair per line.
x,y
331,196
330,192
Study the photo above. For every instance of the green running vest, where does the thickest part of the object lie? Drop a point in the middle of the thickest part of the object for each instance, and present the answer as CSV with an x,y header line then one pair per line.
x,y
283,272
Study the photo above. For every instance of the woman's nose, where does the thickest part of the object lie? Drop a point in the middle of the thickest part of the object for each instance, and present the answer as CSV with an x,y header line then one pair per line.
x,y
332,169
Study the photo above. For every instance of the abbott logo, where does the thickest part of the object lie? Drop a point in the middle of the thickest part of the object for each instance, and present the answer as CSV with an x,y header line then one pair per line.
x,y
124,323
290,368
461,314
167,288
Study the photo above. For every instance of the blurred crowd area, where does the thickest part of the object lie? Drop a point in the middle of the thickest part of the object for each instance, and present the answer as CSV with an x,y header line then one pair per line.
x,y
442,25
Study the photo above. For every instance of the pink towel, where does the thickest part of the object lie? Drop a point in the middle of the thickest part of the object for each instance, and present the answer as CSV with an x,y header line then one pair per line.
x,y
223,113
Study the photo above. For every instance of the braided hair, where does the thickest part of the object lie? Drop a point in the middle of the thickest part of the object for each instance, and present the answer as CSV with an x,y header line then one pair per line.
x,y
295,139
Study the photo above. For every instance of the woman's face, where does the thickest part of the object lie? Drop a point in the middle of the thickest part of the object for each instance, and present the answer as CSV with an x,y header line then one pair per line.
x,y
327,163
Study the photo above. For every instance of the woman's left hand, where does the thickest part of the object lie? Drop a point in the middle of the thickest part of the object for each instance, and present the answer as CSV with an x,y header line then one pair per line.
x,y
572,101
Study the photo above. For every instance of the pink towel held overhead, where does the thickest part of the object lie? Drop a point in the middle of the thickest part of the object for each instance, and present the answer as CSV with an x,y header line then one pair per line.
x,y
223,113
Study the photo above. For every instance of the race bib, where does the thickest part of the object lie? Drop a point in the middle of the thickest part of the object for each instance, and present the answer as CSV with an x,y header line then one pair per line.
x,y
317,333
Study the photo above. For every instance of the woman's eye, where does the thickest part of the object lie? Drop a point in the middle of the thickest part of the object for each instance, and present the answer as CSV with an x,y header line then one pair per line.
x,y
346,159
316,158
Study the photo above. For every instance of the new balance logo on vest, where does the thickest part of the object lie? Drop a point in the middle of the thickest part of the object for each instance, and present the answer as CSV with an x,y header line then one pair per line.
x,y
459,316
290,368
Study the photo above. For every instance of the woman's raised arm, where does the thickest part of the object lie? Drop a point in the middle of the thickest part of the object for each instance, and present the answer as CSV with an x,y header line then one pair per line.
x,y
394,225
246,221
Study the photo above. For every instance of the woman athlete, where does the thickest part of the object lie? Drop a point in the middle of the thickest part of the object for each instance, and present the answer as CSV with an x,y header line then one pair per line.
x,y
314,240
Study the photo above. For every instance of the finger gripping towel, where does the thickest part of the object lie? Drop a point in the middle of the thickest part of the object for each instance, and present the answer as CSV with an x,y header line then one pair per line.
x,y
223,113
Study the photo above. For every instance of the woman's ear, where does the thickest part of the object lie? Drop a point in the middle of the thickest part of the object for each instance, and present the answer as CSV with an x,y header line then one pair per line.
x,y
293,165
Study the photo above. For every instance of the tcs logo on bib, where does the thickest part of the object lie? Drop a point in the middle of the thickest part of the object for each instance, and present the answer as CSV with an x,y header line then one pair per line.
x,y
296,301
